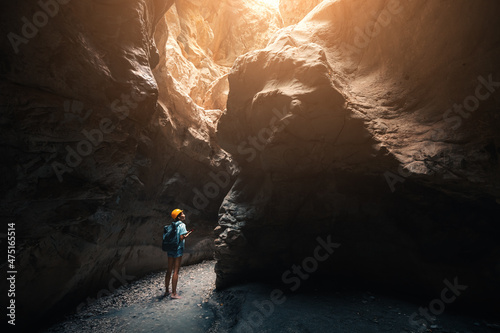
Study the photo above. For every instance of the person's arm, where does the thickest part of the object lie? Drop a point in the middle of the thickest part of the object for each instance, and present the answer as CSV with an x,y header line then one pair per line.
x,y
182,237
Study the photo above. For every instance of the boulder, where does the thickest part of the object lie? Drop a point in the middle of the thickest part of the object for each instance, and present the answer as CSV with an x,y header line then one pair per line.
x,y
372,126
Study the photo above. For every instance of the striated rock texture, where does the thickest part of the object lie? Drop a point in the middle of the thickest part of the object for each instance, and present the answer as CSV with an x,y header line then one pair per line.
x,y
205,37
373,125
97,149
293,11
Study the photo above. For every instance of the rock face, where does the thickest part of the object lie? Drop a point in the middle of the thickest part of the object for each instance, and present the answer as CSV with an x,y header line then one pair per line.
x,y
370,124
293,11
108,119
97,149
374,126
205,39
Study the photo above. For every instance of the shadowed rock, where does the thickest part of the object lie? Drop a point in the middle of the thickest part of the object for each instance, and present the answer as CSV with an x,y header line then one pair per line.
x,y
345,126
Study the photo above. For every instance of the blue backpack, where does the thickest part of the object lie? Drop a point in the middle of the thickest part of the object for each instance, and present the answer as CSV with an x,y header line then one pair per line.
x,y
170,240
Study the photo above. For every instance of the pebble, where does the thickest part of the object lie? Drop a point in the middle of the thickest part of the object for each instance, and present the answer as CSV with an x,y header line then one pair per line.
x,y
140,306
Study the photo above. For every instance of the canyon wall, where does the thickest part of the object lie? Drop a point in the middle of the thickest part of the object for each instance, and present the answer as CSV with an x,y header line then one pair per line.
x,y
109,112
98,145
205,39
293,11
374,126
370,124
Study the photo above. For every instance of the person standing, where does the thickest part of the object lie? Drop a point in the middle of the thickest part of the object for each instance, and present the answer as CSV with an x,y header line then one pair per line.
x,y
175,256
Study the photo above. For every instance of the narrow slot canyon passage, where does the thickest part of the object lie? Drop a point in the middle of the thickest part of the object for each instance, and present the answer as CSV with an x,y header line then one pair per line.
x,y
336,162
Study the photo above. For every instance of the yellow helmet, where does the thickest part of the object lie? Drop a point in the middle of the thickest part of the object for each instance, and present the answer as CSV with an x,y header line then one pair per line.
x,y
176,213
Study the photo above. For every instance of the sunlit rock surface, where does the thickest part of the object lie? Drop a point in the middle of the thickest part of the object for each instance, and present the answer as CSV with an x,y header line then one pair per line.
x,y
375,125
205,37
97,149
108,117
343,127
293,11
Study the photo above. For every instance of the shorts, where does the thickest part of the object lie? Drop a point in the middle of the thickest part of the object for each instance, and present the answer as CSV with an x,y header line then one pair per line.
x,y
176,254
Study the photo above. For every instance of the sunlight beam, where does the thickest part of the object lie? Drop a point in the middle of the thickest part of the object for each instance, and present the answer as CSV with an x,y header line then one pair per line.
x,y
270,3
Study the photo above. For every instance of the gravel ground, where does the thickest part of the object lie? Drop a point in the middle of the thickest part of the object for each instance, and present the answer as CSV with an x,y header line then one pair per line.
x,y
141,307
344,311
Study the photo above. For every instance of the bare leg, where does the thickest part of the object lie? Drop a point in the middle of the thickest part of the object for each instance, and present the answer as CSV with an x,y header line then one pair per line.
x,y
170,268
175,277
